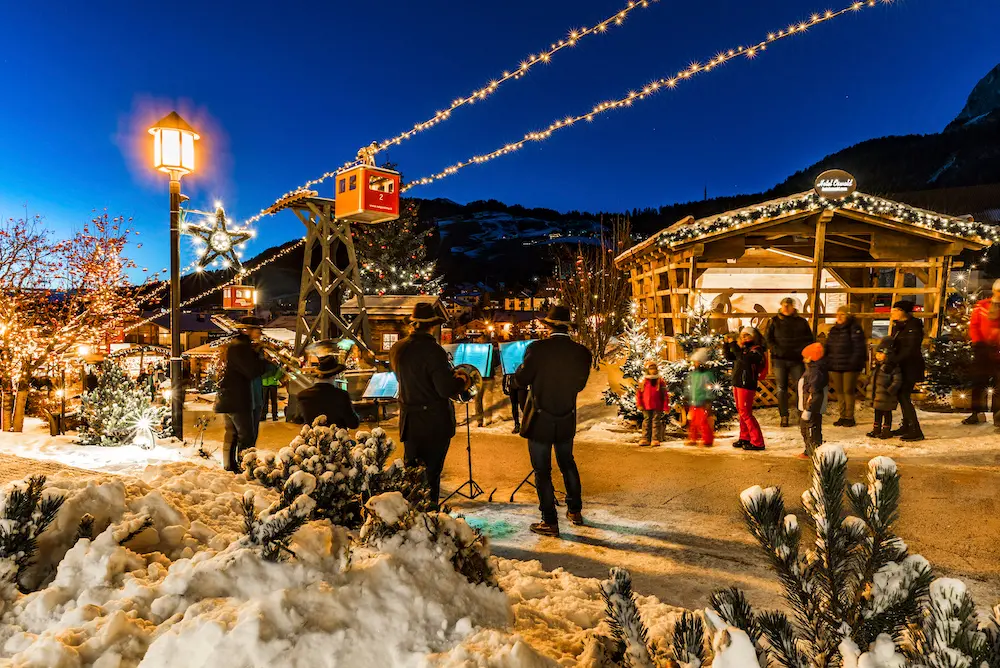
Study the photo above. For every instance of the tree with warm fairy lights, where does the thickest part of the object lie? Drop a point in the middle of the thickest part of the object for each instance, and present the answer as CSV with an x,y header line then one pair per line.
x,y
119,411
56,295
392,256
700,335
949,358
597,290
639,349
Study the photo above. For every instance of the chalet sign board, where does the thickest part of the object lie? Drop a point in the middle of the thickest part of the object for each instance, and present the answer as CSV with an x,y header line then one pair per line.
x,y
835,184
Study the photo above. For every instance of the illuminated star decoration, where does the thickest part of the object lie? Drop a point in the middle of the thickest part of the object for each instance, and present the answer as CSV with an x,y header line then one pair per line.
x,y
217,243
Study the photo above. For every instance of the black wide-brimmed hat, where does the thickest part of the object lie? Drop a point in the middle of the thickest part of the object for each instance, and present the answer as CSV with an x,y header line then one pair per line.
x,y
424,312
559,316
328,367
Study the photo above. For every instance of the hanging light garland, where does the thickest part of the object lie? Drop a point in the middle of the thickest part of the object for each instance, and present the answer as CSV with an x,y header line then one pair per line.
x,y
572,39
240,275
747,51
810,201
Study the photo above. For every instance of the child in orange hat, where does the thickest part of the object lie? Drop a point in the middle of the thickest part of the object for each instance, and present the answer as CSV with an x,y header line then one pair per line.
x,y
812,398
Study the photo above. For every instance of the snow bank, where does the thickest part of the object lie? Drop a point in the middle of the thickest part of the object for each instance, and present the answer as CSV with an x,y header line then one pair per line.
x,y
184,592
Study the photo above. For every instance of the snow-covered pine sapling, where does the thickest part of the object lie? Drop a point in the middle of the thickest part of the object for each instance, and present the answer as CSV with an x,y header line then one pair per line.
x,y
734,609
899,583
271,531
627,627
126,531
27,512
688,642
346,472
951,635
857,584
86,528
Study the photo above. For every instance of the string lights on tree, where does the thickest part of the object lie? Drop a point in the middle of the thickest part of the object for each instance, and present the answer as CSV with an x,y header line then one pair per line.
x,y
747,51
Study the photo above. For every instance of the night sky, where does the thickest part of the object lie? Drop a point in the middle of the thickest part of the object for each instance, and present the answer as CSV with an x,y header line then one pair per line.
x,y
282,92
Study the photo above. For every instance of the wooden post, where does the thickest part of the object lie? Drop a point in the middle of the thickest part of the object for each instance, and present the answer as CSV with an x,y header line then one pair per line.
x,y
818,251
944,274
898,281
692,279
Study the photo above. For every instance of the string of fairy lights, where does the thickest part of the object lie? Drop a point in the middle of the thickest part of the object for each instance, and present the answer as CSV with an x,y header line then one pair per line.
x,y
526,64
750,51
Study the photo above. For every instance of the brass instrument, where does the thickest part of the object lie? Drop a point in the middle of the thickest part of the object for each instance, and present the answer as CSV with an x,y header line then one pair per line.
x,y
474,386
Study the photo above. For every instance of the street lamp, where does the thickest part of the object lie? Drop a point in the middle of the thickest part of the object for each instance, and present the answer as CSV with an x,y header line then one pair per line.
x,y
173,153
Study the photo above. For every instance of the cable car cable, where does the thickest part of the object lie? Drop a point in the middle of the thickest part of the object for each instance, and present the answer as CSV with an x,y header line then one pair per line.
x,y
748,51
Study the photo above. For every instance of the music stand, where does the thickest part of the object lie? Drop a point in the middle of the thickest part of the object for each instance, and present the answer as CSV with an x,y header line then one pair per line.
x,y
382,385
475,490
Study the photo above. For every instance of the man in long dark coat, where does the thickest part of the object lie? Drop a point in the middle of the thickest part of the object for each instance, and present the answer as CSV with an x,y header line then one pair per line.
x,y
426,384
243,364
555,369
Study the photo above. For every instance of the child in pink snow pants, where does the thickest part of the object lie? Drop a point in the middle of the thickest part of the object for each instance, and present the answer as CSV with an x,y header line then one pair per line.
x,y
748,364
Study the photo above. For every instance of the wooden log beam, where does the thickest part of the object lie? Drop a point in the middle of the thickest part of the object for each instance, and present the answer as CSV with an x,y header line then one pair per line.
x,y
824,218
942,298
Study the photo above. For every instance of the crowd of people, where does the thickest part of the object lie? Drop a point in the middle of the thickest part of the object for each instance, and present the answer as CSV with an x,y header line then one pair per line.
x,y
812,366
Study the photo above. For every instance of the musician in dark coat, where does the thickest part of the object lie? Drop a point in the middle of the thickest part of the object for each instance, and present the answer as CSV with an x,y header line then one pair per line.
x,y
426,384
555,370
325,398
243,364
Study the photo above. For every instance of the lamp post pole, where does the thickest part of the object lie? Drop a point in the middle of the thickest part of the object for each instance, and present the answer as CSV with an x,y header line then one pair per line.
x,y
176,381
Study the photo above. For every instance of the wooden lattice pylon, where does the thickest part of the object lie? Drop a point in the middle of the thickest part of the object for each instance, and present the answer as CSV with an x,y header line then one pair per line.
x,y
330,271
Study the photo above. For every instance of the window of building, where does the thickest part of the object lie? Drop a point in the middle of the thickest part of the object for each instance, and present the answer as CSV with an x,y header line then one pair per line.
x,y
389,339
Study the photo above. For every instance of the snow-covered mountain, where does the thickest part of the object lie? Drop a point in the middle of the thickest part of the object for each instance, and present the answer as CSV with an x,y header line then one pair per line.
x,y
983,103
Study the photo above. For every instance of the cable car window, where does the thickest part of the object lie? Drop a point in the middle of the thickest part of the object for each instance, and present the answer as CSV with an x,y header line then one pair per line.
x,y
342,186
354,182
381,184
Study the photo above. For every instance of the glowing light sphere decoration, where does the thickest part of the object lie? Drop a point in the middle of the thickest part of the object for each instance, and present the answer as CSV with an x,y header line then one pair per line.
x,y
217,243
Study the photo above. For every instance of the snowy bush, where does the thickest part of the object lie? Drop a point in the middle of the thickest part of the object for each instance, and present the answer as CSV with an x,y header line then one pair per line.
x,y
858,598
390,524
27,512
339,473
119,412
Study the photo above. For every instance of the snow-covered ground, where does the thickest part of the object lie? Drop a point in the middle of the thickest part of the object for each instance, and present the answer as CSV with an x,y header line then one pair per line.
x,y
183,593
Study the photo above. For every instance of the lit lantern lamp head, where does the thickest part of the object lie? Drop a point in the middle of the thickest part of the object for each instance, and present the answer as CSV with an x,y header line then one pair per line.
x,y
218,243
173,145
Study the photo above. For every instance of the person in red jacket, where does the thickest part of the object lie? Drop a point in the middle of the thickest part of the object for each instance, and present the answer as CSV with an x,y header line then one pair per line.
x,y
651,398
984,332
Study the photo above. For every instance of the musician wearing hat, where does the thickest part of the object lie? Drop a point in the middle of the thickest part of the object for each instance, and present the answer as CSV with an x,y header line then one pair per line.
x,y
555,370
325,398
243,367
426,384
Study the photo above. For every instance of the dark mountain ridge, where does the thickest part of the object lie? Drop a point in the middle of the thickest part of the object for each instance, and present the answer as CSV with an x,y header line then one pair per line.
x,y
489,241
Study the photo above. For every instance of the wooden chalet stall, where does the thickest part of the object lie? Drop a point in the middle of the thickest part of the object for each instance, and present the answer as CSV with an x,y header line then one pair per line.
x,y
827,247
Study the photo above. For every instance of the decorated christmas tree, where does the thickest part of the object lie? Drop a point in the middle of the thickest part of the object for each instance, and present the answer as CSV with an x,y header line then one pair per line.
x,y
639,349
949,357
393,256
119,411
700,335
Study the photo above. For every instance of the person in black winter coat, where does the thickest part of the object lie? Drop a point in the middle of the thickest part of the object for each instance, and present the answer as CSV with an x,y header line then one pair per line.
x,y
907,352
747,357
812,398
325,398
243,364
787,335
886,382
426,384
555,369
846,353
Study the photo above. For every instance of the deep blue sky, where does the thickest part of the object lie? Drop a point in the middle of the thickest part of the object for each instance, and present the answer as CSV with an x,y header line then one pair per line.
x,y
285,91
